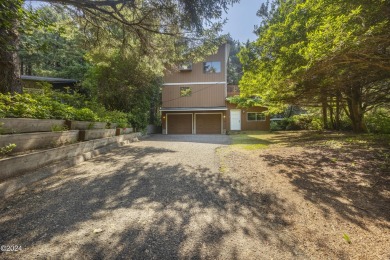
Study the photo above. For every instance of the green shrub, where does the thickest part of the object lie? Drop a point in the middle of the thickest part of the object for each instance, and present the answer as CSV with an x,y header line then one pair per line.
x,y
298,122
117,117
61,106
85,114
138,119
278,125
316,124
7,149
378,121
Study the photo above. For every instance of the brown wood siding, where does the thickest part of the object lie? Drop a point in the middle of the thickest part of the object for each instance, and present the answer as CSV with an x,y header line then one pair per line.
x,y
208,123
197,74
249,125
202,96
179,123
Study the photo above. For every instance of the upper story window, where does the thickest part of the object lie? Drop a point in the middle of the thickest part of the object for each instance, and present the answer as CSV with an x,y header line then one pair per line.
x,y
212,67
185,66
255,116
185,91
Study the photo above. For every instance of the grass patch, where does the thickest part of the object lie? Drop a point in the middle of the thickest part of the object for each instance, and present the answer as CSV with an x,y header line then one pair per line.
x,y
252,140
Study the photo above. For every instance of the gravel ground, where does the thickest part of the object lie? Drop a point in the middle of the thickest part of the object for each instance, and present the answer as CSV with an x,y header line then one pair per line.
x,y
161,198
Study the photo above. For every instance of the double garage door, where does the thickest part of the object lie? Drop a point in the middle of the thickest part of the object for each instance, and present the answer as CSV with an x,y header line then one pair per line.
x,y
201,123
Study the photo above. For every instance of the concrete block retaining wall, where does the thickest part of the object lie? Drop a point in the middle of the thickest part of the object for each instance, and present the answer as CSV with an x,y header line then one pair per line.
x,y
86,135
31,171
123,131
28,125
33,141
83,125
10,167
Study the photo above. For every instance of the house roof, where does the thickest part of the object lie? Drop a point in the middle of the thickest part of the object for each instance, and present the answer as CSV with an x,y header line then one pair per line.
x,y
48,79
177,109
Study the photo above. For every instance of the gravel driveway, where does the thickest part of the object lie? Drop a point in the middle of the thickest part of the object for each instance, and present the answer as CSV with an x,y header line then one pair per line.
x,y
158,198
161,198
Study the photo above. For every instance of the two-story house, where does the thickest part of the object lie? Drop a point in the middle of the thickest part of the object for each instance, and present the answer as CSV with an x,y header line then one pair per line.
x,y
194,100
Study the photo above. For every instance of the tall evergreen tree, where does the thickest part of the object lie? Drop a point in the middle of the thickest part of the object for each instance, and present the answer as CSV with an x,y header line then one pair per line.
x,y
330,53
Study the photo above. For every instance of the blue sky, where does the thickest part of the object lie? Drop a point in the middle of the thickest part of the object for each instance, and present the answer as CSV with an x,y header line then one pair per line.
x,y
242,19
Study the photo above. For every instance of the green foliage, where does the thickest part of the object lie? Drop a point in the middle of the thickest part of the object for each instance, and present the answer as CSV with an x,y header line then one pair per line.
x,y
117,117
378,121
85,114
139,119
53,45
47,106
234,70
329,53
241,101
7,149
298,122
125,81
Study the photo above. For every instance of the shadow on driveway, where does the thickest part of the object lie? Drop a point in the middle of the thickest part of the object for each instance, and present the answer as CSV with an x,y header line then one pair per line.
x,y
146,209
207,139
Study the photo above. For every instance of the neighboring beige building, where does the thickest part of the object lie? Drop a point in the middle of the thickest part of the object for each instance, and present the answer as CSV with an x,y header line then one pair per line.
x,y
194,100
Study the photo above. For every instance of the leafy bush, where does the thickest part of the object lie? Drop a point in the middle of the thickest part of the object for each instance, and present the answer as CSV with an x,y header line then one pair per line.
x,y
85,114
378,121
117,117
7,149
279,125
298,122
138,119
44,107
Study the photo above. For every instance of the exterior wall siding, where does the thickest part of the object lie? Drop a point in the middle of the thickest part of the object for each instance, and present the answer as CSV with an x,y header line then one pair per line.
x,y
249,125
202,96
197,74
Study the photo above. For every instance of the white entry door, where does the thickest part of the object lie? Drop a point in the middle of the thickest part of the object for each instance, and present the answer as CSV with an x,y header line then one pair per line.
x,y
235,119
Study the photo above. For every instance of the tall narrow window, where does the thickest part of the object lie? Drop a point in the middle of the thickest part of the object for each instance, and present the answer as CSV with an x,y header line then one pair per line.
x,y
212,67
185,91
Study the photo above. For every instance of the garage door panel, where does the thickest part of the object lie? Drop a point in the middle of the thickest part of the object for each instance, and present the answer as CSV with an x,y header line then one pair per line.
x,y
208,123
179,124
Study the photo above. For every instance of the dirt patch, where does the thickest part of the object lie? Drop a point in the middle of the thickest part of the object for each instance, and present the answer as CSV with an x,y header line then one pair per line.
x,y
335,188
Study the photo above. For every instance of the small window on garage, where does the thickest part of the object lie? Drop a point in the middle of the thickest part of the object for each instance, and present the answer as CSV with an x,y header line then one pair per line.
x,y
252,116
212,67
185,91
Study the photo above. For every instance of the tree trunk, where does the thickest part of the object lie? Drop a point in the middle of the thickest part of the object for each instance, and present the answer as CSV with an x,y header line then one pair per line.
x,y
9,42
331,115
324,110
356,112
338,110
